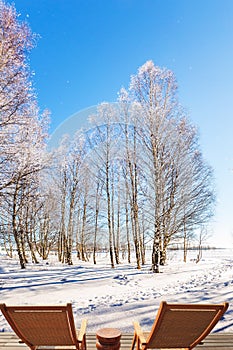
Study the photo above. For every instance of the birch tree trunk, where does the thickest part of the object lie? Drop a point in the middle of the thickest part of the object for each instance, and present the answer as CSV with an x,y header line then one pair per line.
x,y
16,232
97,207
110,233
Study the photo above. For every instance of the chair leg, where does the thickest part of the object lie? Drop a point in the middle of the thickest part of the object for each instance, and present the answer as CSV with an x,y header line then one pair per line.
x,y
138,344
134,341
84,344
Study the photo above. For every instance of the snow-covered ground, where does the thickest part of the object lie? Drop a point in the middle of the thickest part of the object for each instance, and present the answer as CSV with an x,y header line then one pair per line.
x,y
115,297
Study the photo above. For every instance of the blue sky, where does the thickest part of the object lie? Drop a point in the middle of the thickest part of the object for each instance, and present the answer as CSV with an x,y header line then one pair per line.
x,y
88,49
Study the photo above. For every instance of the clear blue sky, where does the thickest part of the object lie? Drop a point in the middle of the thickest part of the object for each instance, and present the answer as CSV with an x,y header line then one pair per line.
x,y
88,49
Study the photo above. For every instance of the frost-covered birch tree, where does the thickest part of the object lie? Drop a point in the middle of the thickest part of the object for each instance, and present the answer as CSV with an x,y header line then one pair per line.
x,y
131,160
16,40
106,142
67,177
23,130
29,159
177,175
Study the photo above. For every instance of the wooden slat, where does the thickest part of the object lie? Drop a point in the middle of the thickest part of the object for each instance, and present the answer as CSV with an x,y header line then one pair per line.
x,y
215,341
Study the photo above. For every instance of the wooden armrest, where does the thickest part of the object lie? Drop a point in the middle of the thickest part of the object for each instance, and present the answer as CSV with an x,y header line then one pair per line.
x,y
138,331
82,330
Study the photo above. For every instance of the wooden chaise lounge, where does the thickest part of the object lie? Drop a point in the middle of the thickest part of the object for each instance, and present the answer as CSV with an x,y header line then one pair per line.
x,y
179,326
43,327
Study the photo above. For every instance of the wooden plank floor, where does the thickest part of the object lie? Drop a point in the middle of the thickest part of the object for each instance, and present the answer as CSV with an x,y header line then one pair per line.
x,y
215,341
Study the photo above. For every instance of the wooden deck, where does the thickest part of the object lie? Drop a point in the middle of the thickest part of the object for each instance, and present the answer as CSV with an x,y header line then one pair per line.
x,y
215,341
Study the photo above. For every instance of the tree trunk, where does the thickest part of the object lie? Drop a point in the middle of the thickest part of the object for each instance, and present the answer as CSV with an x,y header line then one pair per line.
x,y
156,250
185,243
110,233
95,236
70,232
142,243
127,232
15,231
84,219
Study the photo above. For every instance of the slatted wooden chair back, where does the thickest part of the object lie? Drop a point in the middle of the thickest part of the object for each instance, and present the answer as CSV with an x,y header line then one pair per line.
x,y
42,325
183,325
